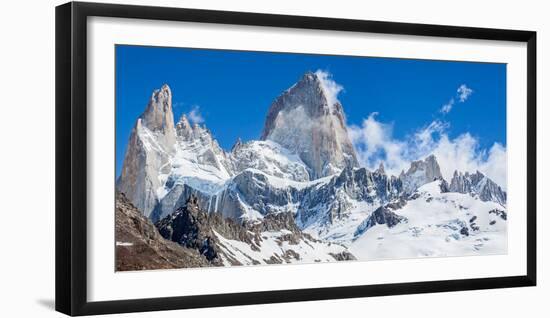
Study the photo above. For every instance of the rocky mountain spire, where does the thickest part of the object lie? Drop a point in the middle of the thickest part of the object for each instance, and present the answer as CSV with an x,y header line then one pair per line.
x,y
152,142
238,144
477,183
308,119
381,169
420,173
158,116
183,128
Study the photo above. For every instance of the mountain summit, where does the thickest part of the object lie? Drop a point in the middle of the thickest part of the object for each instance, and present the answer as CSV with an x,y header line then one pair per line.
x,y
158,116
309,120
152,143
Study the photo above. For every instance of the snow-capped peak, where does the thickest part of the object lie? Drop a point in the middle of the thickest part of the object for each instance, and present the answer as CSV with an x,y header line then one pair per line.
x,y
307,120
380,169
158,114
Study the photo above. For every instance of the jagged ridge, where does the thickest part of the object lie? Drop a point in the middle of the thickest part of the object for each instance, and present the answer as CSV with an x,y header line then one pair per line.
x,y
274,240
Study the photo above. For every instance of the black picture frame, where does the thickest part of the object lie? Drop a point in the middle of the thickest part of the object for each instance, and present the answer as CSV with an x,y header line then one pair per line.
x,y
71,157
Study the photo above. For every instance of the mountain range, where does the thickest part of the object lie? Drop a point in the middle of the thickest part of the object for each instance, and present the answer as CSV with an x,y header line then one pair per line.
x,y
298,193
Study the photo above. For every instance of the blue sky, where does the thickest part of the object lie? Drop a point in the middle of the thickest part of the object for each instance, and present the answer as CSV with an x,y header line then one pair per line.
x,y
232,91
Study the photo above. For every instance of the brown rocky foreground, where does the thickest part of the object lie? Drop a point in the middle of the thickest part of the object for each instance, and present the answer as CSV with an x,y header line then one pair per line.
x,y
139,246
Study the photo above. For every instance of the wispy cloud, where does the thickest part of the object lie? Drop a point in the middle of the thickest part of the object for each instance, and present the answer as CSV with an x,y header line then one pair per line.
x,y
463,92
374,143
448,107
329,86
195,115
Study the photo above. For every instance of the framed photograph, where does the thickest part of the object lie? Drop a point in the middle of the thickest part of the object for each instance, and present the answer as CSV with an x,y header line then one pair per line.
x,y
209,158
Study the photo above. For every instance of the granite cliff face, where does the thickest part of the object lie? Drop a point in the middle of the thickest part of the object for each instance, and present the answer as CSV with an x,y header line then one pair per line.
x,y
308,121
159,118
148,152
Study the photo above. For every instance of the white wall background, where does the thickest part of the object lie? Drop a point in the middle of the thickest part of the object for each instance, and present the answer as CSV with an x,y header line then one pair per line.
x,y
27,157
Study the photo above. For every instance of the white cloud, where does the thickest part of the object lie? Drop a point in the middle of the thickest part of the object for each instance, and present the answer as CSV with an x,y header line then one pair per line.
x,y
447,107
329,86
424,139
375,143
195,115
496,165
464,92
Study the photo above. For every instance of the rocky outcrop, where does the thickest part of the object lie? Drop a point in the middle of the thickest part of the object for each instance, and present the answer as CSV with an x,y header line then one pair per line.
x,y
262,193
309,122
158,116
193,228
332,200
140,246
420,173
477,184
382,215
220,240
252,194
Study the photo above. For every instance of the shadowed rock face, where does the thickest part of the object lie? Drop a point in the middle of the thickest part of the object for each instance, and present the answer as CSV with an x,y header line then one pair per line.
x,y
359,185
140,246
382,215
303,121
385,216
209,234
191,227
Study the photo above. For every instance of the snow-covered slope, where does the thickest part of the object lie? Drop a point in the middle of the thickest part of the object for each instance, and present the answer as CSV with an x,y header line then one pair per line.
x,y
273,247
270,158
198,161
436,224
261,177
274,240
